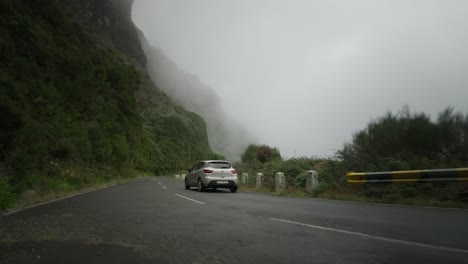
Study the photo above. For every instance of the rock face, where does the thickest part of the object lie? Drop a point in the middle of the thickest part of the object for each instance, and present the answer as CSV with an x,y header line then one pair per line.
x,y
110,24
124,7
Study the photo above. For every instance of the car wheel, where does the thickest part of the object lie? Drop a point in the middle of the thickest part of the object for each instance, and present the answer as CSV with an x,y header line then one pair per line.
x,y
187,186
201,186
233,189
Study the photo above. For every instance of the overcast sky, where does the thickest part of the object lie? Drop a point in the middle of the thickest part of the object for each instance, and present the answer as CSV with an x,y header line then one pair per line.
x,y
304,75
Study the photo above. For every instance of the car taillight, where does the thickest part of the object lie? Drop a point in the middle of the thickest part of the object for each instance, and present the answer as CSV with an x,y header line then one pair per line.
x,y
207,171
234,171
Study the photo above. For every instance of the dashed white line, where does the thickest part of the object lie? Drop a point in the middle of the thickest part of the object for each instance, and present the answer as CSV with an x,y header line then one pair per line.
x,y
164,187
190,199
386,239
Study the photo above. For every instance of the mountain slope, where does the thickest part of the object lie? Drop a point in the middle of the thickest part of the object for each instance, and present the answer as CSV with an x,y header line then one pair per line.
x,y
226,136
76,103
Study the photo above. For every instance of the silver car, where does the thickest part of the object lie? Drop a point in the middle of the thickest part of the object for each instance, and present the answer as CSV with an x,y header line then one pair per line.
x,y
212,174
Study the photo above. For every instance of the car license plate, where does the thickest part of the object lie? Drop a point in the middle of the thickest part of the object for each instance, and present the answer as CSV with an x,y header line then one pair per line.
x,y
223,182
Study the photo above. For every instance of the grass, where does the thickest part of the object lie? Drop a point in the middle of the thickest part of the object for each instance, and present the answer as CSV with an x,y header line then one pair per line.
x,y
348,195
48,195
416,201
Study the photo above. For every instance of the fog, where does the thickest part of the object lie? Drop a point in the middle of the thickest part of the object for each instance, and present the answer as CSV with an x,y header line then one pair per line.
x,y
226,136
304,75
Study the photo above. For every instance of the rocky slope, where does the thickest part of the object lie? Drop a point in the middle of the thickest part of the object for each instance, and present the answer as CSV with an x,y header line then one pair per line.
x,y
77,105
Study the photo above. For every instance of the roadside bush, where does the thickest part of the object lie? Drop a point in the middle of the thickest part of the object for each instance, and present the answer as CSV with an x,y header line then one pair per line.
x,y
332,172
321,188
6,195
301,180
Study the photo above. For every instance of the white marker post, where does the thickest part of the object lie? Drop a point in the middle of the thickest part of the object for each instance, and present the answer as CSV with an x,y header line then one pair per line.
x,y
311,181
245,178
280,182
258,184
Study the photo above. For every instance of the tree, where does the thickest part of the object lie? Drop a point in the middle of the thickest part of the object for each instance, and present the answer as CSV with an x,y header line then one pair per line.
x,y
217,156
255,156
451,133
250,155
408,141
266,153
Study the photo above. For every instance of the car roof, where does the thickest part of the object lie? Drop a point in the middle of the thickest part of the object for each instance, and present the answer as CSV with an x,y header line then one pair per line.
x,y
208,161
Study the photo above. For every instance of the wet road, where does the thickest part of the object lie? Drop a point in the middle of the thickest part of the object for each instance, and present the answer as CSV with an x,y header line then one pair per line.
x,y
155,220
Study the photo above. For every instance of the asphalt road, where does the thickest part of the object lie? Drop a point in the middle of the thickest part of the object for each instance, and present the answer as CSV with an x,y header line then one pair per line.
x,y
155,220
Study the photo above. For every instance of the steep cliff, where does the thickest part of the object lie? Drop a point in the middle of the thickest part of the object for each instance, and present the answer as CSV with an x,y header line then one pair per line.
x,y
76,102
225,134
109,23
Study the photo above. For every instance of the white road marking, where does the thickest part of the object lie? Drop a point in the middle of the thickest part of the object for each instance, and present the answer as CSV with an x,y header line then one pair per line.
x,y
386,239
164,187
190,199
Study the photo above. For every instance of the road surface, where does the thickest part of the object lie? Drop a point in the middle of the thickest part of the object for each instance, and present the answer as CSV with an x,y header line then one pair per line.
x,y
155,220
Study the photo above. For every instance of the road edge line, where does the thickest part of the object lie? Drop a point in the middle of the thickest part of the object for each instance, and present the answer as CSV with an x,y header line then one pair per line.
x,y
357,202
14,211
380,238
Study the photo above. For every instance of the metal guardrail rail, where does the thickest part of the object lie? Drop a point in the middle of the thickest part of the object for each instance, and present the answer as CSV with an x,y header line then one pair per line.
x,y
440,175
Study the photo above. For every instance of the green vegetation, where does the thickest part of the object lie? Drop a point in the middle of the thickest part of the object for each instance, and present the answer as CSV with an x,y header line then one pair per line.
x,y
6,196
393,142
74,114
409,141
217,156
255,156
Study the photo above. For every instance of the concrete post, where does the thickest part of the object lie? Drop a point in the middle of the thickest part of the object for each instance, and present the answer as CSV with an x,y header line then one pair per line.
x,y
183,176
177,176
245,178
311,181
258,185
280,182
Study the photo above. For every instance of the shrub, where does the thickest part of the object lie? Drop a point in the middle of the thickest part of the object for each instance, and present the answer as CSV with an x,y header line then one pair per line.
x,y
301,180
321,188
6,195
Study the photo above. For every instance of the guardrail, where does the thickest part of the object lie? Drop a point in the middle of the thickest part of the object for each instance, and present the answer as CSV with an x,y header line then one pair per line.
x,y
441,175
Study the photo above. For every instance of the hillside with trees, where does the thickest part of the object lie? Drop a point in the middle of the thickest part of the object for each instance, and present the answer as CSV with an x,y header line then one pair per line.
x,y
409,141
402,141
77,106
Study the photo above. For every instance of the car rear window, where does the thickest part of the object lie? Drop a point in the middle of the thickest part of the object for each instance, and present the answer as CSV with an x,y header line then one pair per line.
x,y
220,165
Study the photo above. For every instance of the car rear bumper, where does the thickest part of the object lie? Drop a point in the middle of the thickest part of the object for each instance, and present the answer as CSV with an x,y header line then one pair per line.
x,y
217,182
